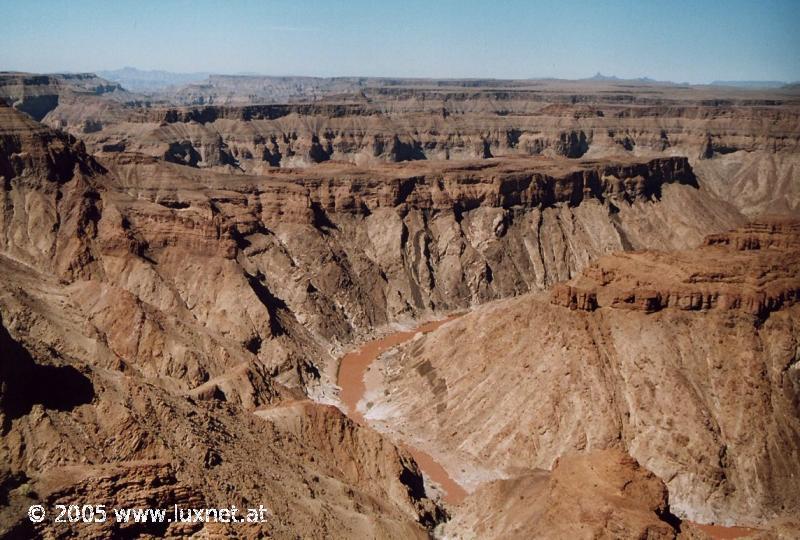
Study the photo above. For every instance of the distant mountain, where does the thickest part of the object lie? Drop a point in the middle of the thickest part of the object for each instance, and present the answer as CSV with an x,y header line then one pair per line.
x,y
611,78
137,80
751,84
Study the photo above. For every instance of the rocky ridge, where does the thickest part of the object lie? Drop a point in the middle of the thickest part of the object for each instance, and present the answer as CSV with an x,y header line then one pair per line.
x,y
700,387
753,270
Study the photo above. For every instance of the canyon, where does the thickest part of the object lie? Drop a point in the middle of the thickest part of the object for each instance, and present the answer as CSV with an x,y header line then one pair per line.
x,y
183,272
679,358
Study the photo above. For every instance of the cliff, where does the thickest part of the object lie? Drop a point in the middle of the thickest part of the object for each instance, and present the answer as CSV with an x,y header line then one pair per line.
x,y
752,270
686,360
735,139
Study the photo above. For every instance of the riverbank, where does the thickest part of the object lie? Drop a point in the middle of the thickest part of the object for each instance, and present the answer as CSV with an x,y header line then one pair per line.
x,y
350,378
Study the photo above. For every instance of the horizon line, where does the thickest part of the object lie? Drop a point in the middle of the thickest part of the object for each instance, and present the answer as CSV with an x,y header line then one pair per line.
x,y
597,77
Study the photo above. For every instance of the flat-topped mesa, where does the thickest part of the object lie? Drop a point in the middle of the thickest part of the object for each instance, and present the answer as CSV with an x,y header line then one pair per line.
x,y
526,183
755,270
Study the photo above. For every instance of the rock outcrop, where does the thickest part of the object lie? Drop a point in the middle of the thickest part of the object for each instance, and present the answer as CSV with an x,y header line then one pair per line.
x,y
602,494
688,360
753,270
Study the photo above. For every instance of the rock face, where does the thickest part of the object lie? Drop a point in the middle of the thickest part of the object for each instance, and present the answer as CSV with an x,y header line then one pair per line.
x,y
759,278
687,360
603,494
346,249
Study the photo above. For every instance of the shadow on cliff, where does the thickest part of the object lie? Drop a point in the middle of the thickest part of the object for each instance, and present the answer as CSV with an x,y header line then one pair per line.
x,y
273,304
24,383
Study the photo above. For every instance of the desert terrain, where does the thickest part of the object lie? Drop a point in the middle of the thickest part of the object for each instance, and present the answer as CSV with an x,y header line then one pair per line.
x,y
400,308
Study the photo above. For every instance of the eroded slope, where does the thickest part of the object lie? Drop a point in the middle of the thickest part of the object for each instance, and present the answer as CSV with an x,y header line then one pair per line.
x,y
688,361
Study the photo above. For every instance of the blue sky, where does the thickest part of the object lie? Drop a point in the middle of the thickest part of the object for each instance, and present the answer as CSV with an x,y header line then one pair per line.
x,y
696,41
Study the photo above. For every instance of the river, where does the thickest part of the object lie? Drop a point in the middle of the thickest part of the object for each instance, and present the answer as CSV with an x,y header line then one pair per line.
x,y
353,367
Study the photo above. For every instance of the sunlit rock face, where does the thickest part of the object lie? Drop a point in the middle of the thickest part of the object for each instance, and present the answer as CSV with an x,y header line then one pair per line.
x,y
179,278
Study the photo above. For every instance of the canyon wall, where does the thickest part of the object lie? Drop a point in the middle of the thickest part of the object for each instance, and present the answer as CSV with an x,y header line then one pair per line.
x,y
686,360
287,268
120,385
742,144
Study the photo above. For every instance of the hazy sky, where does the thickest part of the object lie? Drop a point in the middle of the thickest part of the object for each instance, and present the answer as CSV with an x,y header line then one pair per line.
x,y
695,41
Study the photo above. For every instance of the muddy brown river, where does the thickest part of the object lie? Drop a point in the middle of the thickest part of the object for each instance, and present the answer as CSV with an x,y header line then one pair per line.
x,y
352,369
719,532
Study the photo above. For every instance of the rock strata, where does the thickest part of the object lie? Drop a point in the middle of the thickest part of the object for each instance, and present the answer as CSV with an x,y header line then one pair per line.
x,y
687,360
753,270
741,143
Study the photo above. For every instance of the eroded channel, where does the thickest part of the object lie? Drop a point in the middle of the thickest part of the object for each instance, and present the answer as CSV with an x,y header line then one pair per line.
x,y
352,369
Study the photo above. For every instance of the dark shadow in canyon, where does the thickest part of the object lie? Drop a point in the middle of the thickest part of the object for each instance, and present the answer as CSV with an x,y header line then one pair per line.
x,y
273,304
24,383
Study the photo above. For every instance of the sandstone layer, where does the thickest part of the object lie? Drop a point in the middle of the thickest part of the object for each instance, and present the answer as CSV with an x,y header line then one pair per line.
x,y
686,360
743,144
